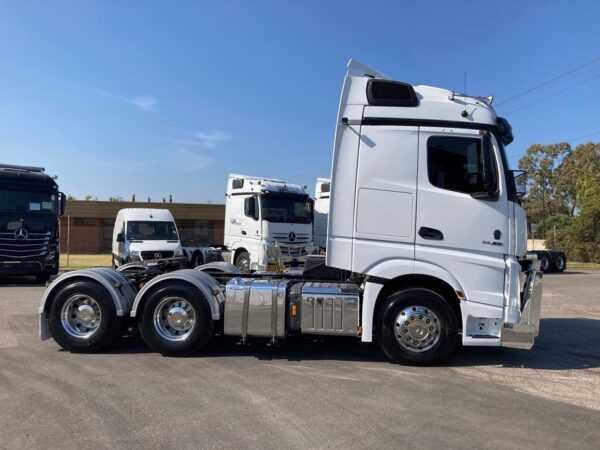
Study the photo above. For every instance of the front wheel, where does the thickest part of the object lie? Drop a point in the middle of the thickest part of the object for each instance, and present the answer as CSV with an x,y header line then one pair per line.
x,y
83,318
176,320
416,326
242,262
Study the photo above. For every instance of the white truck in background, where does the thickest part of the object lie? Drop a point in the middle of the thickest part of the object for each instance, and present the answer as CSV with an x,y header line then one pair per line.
x,y
144,234
426,245
322,193
267,223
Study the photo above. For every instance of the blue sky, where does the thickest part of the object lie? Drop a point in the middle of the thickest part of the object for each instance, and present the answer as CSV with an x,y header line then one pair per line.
x,y
159,98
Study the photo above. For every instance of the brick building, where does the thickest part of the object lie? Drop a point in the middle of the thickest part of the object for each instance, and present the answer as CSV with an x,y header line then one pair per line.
x,y
87,225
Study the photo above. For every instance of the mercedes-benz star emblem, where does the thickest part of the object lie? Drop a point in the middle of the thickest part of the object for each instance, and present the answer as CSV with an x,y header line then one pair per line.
x,y
292,236
157,255
21,234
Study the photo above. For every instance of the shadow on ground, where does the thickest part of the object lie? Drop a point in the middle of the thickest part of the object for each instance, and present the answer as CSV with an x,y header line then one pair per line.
x,y
563,344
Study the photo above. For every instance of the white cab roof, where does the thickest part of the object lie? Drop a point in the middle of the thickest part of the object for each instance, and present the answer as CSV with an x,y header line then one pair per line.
x,y
252,184
152,214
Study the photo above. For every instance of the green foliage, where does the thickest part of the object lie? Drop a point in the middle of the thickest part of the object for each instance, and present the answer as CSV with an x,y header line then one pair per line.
x,y
564,192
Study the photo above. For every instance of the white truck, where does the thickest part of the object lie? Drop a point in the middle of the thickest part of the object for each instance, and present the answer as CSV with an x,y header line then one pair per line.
x,y
267,223
425,247
144,234
322,194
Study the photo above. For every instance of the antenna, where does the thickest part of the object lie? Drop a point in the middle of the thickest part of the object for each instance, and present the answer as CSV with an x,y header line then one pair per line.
x,y
465,113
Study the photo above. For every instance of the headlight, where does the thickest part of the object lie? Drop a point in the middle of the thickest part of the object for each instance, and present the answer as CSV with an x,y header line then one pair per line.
x,y
135,253
178,252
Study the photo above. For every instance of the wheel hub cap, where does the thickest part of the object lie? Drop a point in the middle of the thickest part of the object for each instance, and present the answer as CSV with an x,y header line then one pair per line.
x,y
80,316
177,317
417,328
174,318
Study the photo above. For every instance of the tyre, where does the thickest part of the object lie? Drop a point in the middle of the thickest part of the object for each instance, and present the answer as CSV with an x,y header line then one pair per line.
x,y
242,261
42,278
545,265
416,326
83,318
176,320
197,259
560,262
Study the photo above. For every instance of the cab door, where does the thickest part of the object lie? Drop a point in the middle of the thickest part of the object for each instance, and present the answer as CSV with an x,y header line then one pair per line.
x,y
462,212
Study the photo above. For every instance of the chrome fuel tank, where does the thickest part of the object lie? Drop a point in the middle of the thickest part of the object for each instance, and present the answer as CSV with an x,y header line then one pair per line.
x,y
255,307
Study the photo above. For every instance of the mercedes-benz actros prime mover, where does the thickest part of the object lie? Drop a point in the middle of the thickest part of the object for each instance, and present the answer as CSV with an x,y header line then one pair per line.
x,y
30,209
425,247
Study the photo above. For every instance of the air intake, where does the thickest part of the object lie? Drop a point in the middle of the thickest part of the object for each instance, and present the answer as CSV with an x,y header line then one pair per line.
x,y
390,93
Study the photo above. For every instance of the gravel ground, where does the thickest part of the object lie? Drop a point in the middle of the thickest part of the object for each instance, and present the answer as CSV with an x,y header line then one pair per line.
x,y
305,394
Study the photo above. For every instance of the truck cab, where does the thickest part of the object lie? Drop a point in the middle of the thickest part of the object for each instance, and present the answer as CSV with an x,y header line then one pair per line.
x,y
142,234
322,193
267,222
30,207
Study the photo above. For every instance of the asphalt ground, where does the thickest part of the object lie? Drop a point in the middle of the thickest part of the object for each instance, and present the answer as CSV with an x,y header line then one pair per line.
x,y
330,393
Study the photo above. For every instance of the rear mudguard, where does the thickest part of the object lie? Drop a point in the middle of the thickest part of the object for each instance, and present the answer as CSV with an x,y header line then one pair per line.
x,y
200,280
121,291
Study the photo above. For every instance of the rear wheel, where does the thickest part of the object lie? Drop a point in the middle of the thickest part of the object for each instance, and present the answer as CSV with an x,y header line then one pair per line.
x,y
560,262
83,318
545,263
197,259
176,320
242,261
416,326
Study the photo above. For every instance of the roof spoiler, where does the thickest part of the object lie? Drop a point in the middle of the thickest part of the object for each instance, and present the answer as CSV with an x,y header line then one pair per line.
x,y
24,168
365,70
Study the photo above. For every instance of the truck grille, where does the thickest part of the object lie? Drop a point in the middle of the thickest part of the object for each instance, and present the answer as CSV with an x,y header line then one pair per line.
x,y
285,237
34,246
149,254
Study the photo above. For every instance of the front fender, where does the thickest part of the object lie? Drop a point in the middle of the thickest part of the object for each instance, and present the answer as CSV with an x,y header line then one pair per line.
x,y
385,271
394,268
202,281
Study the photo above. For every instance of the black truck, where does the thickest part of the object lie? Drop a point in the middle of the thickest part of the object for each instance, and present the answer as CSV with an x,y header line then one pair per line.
x,y
30,207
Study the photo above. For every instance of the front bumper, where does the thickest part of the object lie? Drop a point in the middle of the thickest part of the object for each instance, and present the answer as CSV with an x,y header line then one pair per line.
x,y
523,334
28,267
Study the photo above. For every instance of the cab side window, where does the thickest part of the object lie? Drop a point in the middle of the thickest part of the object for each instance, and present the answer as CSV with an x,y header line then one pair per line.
x,y
462,164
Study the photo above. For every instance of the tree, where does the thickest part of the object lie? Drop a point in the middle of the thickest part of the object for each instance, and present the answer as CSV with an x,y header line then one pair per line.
x,y
71,197
546,195
133,198
170,198
580,179
115,199
88,198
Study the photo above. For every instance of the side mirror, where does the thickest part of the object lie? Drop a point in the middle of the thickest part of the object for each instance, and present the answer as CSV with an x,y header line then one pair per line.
x,y
520,177
63,203
120,237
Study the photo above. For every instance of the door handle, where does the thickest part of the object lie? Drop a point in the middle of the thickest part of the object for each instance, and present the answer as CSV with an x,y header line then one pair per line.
x,y
431,234
244,233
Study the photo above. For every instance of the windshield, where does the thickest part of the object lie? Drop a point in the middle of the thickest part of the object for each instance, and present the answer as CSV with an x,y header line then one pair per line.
x,y
151,231
285,209
29,202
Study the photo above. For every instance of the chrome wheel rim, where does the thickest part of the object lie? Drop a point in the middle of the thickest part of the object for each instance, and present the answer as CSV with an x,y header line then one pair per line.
x,y
545,263
417,328
244,264
174,319
81,316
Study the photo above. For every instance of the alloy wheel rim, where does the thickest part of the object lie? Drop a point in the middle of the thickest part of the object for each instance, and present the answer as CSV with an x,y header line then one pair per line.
x,y
174,319
417,328
81,316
